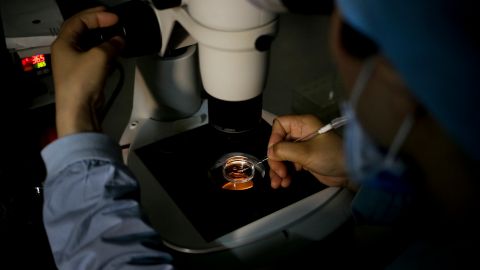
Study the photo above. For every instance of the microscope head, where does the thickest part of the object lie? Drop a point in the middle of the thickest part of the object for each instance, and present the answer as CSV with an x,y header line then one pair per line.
x,y
233,39
233,46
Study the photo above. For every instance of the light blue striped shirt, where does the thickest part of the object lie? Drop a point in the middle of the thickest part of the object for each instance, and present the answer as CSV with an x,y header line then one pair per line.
x,y
90,213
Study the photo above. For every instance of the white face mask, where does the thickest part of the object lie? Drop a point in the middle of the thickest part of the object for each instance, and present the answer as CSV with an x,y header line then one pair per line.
x,y
366,163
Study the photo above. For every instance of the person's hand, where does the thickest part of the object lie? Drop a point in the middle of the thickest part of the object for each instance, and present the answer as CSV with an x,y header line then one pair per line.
x,y
322,155
79,76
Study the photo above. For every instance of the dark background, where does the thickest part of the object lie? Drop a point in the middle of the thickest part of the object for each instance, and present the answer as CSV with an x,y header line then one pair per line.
x,y
22,135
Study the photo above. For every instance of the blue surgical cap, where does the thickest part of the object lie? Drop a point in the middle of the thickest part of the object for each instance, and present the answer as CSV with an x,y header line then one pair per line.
x,y
434,45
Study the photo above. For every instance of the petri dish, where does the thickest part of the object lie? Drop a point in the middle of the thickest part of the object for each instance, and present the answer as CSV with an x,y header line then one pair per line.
x,y
239,170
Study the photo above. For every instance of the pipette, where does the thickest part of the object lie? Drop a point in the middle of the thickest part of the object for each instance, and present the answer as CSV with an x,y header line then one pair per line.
x,y
335,123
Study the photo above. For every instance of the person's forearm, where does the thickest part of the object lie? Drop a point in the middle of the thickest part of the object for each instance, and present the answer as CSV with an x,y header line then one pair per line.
x,y
90,216
81,118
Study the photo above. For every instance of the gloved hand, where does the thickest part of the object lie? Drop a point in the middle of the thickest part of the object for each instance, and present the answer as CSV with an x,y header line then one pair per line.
x,y
79,76
322,155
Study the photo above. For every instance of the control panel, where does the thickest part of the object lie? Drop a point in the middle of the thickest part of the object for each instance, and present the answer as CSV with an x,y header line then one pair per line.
x,y
36,73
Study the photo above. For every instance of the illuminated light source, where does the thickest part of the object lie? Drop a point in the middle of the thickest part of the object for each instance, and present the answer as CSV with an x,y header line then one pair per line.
x,y
34,62
238,186
40,65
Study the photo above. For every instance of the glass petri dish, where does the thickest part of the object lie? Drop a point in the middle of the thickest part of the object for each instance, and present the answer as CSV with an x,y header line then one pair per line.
x,y
239,170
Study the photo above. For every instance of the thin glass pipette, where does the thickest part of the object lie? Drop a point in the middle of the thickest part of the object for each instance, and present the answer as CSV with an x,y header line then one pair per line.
x,y
334,124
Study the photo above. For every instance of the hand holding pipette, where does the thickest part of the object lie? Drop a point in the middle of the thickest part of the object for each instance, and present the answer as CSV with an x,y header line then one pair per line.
x,y
323,158
334,124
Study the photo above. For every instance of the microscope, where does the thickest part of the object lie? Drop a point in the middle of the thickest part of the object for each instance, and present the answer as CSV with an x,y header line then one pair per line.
x,y
201,67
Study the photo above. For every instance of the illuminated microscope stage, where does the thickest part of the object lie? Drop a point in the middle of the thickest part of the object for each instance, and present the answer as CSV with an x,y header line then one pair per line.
x,y
182,195
183,164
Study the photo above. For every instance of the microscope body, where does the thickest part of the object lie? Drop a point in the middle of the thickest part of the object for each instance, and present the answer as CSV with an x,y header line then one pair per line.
x,y
233,58
234,64
232,40
175,136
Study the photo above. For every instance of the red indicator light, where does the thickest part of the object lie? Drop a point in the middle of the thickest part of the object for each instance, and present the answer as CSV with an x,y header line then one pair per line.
x,y
27,64
38,58
36,61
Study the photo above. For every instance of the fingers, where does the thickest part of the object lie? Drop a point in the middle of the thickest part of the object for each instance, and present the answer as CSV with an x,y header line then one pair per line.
x,y
284,129
291,151
285,151
322,155
112,47
290,127
276,181
93,18
278,171
278,132
72,30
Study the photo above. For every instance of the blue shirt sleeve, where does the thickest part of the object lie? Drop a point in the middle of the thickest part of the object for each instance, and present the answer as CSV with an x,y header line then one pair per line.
x,y
90,213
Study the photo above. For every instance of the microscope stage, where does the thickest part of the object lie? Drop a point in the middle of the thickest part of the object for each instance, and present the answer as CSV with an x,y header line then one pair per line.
x,y
182,165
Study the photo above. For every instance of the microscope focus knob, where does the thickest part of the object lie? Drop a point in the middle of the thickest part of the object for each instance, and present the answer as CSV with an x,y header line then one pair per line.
x,y
138,25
